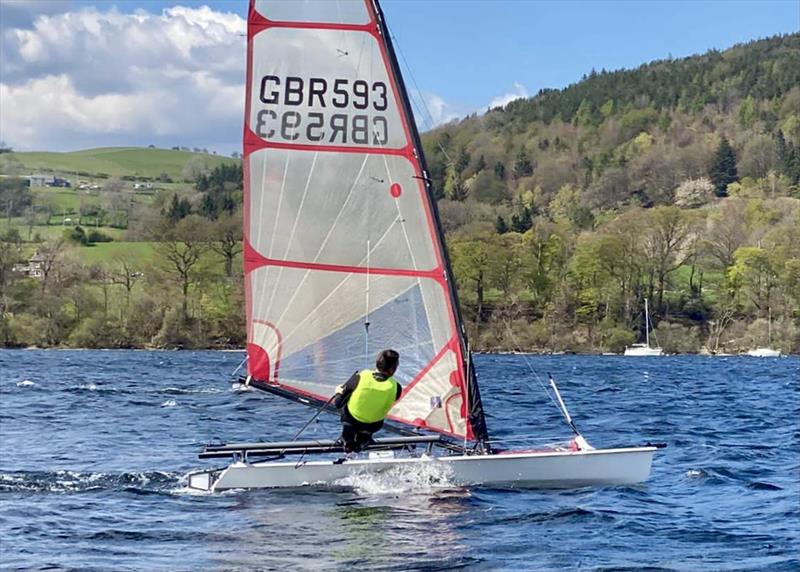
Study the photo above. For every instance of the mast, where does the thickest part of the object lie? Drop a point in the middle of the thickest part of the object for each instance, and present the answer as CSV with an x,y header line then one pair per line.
x,y
646,323
476,415
769,326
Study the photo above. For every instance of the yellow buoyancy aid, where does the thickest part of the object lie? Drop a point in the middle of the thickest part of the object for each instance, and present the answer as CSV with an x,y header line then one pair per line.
x,y
372,399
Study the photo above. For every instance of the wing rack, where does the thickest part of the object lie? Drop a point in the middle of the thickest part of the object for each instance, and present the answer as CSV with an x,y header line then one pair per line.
x,y
308,447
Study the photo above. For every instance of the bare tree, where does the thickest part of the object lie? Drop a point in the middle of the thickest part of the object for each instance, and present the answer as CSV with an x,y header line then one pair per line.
x,y
227,235
726,231
30,220
10,254
667,233
180,248
194,168
49,255
125,275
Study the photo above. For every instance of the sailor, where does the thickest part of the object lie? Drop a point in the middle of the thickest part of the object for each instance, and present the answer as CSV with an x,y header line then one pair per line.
x,y
365,399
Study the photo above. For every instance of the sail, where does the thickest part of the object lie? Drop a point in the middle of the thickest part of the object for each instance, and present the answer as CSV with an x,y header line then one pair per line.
x,y
344,255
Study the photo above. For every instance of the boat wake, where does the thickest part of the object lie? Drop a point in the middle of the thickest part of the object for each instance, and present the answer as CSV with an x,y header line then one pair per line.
x,y
188,391
79,482
416,478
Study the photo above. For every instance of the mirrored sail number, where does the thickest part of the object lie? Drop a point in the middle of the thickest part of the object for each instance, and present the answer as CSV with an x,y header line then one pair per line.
x,y
321,125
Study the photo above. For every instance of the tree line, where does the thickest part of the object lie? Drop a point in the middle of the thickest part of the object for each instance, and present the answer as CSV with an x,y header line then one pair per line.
x,y
678,182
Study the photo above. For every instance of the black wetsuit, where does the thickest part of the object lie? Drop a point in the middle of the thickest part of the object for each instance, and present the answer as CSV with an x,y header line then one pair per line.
x,y
355,434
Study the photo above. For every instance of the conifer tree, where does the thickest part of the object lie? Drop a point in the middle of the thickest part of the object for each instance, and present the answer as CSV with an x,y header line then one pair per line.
x,y
462,161
523,221
723,168
522,165
500,225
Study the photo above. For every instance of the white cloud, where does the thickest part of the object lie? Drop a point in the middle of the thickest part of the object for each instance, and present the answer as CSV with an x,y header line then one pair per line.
x,y
102,77
518,92
431,110
440,111
95,77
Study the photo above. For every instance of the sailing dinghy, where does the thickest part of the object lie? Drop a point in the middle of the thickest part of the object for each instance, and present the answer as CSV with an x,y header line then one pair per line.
x,y
344,256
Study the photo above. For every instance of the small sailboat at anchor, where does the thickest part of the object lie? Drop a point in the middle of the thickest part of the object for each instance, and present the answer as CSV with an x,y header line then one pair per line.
x,y
344,256
768,351
644,349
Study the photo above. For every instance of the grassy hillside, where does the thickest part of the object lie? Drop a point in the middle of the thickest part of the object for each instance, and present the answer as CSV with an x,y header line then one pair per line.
x,y
118,161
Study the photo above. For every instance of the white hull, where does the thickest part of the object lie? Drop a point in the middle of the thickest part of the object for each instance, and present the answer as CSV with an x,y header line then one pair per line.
x,y
764,352
551,469
640,350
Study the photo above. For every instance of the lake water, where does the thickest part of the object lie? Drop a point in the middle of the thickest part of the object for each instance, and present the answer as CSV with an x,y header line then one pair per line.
x,y
95,446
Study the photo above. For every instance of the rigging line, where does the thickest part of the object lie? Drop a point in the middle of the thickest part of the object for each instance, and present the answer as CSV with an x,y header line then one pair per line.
x,y
654,336
325,241
294,229
530,367
367,226
410,73
366,310
526,438
233,375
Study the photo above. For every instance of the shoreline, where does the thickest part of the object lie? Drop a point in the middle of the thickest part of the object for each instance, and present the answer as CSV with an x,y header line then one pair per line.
x,y
538,353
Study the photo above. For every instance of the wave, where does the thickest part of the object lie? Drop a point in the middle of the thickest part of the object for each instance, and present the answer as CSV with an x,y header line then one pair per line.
x,y
185,391
66,481
412,478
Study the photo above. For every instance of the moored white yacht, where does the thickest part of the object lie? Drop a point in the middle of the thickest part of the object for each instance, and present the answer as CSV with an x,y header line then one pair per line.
x,y
768,351
644,349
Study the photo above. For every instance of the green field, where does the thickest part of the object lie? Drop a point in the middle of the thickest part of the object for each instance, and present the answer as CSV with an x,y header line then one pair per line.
x,y
61,200
117,161
138,253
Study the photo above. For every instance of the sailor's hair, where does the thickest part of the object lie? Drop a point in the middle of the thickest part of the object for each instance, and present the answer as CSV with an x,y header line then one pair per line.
x,y
387,361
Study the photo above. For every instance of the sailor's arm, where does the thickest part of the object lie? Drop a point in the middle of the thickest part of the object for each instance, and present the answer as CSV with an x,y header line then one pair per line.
x,y
346,389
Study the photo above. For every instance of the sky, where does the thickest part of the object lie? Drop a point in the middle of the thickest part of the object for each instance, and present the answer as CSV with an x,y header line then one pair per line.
x,y
76,74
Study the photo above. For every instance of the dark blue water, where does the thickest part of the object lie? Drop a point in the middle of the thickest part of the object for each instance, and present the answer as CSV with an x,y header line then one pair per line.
x,y
95,446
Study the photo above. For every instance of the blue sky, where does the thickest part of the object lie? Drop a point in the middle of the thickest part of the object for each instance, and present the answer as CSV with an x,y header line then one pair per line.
x,y
470,51
463,55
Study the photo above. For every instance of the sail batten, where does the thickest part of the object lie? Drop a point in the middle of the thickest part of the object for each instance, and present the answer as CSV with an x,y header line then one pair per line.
x,y
343,250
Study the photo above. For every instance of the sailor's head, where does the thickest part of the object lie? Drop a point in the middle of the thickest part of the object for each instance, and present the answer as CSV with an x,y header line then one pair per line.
x,y
387,362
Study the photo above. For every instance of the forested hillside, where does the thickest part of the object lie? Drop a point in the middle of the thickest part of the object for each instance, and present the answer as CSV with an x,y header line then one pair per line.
x,y
678,182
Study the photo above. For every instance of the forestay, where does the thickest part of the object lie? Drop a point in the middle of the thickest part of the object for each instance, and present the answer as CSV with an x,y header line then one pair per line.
x,y
343,252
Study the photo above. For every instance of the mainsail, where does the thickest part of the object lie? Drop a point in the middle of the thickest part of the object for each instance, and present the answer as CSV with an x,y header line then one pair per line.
x,y
344,255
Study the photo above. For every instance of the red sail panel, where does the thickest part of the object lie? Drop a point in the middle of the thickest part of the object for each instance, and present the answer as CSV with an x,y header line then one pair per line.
x,y
343,257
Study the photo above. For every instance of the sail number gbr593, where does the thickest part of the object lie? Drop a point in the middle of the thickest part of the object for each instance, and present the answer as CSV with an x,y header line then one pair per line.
x,y
343,110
